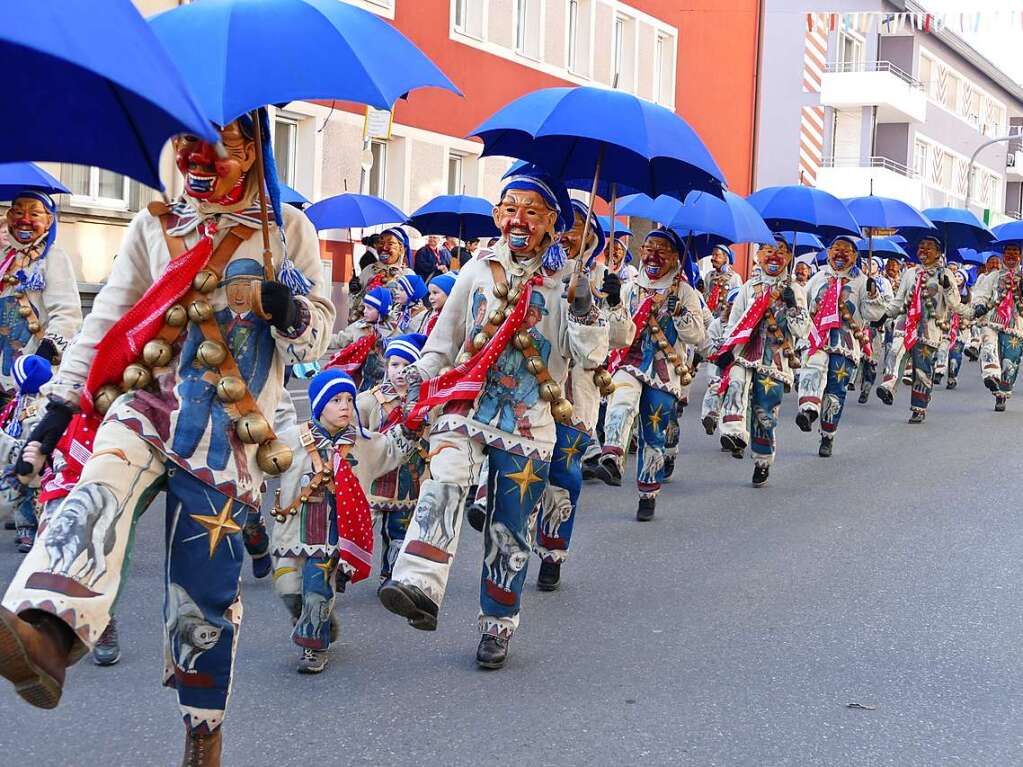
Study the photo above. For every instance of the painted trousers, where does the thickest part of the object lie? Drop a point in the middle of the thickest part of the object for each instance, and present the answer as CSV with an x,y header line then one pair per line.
x,y
999,358
895,360
514,487
393,527
750,411
654,408
823,385
79,562
711,406
561,498
922,358
306,584
17,499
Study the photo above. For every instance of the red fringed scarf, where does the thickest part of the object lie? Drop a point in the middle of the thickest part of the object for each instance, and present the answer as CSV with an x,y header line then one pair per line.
x,y
465,381
1004,311
639,319
714,297
827,317
351,359
914,313
742,333
75,445
354,520
953,333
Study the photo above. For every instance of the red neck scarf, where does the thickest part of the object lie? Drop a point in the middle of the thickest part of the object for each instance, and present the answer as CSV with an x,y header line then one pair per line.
x,y
750,319
1004,312
827,317
915,313
639,319
354,520
351,359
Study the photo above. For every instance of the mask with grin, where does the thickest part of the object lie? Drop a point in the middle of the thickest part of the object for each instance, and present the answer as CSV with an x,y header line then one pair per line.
x,y
774,259
221,180
928,253
841,255
28,220
525,221
660,257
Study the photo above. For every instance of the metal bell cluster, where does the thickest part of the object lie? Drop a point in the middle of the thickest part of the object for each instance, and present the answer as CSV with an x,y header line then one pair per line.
x,y
685,376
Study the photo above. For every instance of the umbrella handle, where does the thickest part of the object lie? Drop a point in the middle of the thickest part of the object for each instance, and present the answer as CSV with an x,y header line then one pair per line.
x,y
578,271
268,266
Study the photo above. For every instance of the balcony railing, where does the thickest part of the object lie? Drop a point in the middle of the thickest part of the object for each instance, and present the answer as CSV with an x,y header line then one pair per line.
x,y
870,162
876,66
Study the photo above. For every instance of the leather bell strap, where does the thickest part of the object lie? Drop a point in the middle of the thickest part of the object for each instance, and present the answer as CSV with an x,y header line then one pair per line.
x,y
319,478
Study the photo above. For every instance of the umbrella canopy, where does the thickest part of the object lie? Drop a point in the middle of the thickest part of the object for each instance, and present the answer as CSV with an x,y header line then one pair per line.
x,y
20,176
620,228
732,219
957,228
881,246
804,209
457,215
971,256
1010,233
243,54
290,197
803,243
346,211
885,213
585,132
605,188
105,91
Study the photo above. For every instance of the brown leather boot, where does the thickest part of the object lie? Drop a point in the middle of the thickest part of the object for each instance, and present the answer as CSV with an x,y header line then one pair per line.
x,y
34,655
202,748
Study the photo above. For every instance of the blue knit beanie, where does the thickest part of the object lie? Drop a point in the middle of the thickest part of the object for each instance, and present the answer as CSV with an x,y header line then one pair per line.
x,y
379,299
326,385
444,281
30,373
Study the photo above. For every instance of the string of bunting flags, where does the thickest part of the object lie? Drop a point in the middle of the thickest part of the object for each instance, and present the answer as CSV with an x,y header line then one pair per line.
x,y
895,23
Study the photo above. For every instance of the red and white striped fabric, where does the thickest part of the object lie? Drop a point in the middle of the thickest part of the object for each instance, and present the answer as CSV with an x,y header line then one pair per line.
x,y
639,319
811,119
1004,312
827,317
914,313
747,324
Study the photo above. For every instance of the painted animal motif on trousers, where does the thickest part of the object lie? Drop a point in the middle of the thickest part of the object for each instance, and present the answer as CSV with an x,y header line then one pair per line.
x,y
505,558
189,631
653,462
83,524
316,609
434,513
829,408
557,510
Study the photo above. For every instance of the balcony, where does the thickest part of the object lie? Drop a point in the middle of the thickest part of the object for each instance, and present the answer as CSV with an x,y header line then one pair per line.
x,y
877,175
898,96
1014,166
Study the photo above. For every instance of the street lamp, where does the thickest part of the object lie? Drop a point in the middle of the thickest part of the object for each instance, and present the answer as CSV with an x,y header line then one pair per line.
x,y
973,160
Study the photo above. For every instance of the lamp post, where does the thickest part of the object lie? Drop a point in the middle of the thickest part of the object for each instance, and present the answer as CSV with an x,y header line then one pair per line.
x,y
973,160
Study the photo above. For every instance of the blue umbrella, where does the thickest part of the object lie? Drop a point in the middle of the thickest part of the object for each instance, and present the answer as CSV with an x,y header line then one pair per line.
x,y
804,209
881,246
347,211
971,256
802,243
456,214
1011,232
620,228
732,219
603,135
957,228
605,189
19,176
885,213
104,91
290,197
243,54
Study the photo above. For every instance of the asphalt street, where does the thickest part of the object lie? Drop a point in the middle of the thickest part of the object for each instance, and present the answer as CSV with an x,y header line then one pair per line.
x,y
862,610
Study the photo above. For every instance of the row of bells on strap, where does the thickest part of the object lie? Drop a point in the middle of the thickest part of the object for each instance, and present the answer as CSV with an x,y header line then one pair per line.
x,y
602,380
685,377
273,456
24,310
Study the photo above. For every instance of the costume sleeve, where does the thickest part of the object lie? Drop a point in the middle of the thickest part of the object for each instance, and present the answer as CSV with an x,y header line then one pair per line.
x,y
739,307
366,406
61,299
872,309
982,291
797,319
897,305
384,452
448,334
620,327
285,416
583,339
952,300
311,334
689,324
129,277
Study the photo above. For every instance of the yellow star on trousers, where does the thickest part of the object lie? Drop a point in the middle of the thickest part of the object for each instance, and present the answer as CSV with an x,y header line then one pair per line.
x,y
841,374
523,479
1014,342
926,352
655,418
325,568
571,451
219,525
768,384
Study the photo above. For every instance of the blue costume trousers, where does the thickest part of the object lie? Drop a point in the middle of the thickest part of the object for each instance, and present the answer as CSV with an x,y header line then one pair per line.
x,y
841,371
561,499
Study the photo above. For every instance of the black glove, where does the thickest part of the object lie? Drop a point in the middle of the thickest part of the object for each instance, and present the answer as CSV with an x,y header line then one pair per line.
x,y
979,311
725,359
871,286
47,350
789,297
701,285
354,285
612,288
697,359
944,280
47,432
278,304
878,324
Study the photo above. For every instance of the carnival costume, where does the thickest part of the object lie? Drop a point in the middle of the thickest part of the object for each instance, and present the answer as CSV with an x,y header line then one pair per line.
x,y
997,298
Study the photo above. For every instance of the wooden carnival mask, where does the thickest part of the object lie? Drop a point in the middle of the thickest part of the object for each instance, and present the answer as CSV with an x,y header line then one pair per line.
x,y
390,250
774,259
28,220
209,177
525,221
659,258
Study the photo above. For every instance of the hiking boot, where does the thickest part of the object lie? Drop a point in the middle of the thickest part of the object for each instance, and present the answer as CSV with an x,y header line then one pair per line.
x,y
645,512
760,474
805,419
710,424
864,396
107,650
824,451
669,467
550,576
24,538
202,749
410,603
312,661
952,383
918,416
999,404
492,652
608,472
34,656
885,395
991,384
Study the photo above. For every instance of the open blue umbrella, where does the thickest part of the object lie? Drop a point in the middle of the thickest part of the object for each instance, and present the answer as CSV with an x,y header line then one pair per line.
x,y
348,211
605,189
881,246
802,242
457,215
243,54
972,256
872,212
956,227
19,176
103,90
732,218
1009,233
290,197
799,208
620,228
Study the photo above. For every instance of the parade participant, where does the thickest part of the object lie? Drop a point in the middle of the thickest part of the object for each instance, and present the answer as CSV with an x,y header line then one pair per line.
x,y
392,495
878,333
768,317
648,376
842,301
208,455
926,298
710,411
803,272
953,343
392,261
408,292
584,388
510,337
721,277
438,291
997,297
362,342
618,259
972,351
40,309
323,531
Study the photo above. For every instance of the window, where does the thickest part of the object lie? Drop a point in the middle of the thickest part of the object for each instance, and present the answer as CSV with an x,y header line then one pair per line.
x,y
617,49
527,28
573,35
285,144
469,17
373,179
850,49
454,173
920,158
664,69
97,188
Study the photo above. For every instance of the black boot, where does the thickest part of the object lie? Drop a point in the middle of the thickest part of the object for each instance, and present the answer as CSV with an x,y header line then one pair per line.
x,y
864,396
645,512
991,384
107,650
999,404
492,652
938,378
733,444
476,516
590,467
550,576
885,396
805,419
952,383
608,472
824,451
24,538
710,423
972,354
917,416
760,474
669,467
410,603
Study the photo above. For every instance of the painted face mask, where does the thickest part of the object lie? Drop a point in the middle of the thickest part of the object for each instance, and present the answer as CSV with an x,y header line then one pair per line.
x,y
659,258
927,252
524,220
1011,256
841,255
28,220
774,260
391,250
209,177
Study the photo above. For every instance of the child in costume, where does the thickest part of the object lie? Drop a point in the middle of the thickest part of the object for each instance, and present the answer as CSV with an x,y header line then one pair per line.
x,y
323,531
393,494
362,342
437,294
710,412
408,292
392,246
